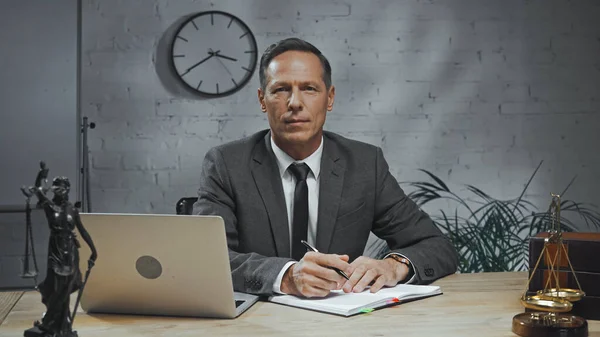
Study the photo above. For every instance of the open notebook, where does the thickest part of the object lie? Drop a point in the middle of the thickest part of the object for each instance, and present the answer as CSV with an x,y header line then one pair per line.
x,y
340,303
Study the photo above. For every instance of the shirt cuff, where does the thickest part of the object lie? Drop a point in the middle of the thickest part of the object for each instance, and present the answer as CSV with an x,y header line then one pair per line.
x,y
412,266
277,284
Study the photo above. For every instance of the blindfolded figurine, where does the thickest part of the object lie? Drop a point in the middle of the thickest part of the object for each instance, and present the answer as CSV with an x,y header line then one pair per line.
x,y
63,276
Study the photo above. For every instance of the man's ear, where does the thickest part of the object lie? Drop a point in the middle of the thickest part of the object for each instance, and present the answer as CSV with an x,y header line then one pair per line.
x,y
261,100
330,98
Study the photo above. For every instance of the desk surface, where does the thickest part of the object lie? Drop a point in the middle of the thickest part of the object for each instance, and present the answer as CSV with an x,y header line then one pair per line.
x,y
472,305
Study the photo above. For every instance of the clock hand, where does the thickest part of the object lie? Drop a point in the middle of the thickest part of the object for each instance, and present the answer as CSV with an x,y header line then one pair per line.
x,y
225,57
197,64
224,66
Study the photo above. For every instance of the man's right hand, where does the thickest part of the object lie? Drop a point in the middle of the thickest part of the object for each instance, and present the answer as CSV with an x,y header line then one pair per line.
x,y
311,277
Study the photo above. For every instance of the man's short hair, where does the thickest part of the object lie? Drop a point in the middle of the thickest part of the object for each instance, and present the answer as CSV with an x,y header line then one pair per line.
x,y
290,44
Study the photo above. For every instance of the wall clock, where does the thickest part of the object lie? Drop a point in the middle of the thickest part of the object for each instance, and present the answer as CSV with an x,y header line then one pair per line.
x,y
214,53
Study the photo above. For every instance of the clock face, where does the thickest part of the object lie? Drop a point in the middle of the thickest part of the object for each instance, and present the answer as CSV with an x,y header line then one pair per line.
x,y
214,53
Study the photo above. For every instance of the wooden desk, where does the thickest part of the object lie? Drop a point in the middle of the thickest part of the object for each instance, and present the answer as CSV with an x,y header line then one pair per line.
x,y
472,305
7,302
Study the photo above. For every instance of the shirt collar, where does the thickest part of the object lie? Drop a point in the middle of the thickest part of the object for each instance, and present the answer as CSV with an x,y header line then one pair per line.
x,y
284,160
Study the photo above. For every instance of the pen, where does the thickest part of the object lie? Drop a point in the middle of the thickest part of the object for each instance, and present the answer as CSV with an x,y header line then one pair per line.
x,y
316,251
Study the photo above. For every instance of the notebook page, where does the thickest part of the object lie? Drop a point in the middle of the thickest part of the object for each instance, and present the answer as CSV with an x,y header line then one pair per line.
x,y
342,303
401,291
339,299
336,302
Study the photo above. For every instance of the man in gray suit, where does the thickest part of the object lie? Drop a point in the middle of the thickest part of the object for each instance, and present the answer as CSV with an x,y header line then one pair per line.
x,y
297,182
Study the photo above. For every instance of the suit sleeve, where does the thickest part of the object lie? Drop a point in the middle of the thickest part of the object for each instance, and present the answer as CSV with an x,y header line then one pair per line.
x,y
408,230
251,273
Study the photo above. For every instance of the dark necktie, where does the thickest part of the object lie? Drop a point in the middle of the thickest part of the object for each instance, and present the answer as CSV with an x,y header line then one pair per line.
x,y
300,219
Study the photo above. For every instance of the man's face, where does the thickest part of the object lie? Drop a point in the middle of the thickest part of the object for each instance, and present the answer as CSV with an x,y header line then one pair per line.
x,y
296,99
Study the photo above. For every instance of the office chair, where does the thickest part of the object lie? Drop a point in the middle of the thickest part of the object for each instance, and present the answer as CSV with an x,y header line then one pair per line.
x,y
185,205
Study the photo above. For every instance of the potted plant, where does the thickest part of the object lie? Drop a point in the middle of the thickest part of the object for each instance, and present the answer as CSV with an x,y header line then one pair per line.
x,y
492,235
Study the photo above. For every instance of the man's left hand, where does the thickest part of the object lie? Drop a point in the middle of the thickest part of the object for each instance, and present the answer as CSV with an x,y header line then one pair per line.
x,y
386,272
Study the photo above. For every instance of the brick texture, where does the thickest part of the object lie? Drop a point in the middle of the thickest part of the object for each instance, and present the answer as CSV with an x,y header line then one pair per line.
x,y
476,92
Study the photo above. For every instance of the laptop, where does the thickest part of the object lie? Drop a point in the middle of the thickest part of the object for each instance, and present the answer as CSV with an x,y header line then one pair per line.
x,y
168,265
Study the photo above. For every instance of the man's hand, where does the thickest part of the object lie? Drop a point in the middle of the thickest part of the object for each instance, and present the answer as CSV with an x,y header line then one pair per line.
x,y
311,277
386,272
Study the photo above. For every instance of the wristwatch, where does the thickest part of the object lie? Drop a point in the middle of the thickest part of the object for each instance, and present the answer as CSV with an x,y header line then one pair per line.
x,y
406,262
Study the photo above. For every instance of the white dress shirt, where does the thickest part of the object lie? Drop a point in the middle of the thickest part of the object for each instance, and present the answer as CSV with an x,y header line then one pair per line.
x,y
289,185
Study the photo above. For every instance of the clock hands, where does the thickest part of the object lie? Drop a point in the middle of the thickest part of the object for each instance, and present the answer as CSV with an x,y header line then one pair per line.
x,y
217,54
225,57
211,54
201,61
224,66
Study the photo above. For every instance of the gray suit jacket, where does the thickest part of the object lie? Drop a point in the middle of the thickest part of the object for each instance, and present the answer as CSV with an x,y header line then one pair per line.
x,y
240,181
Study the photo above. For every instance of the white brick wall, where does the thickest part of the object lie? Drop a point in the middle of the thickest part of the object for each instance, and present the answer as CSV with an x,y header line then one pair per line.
x,y
476,91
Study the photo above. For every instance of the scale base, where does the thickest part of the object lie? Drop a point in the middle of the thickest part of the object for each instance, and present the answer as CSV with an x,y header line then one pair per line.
x,y
547,324
29,275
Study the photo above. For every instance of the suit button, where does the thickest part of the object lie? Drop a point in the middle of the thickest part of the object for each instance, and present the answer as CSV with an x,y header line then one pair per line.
x,y
429,272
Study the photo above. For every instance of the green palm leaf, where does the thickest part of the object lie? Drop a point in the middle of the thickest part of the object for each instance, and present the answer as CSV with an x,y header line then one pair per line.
x,y
494,236
439,181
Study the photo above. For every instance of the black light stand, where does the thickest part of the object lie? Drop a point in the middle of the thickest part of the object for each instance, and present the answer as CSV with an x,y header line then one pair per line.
x,y
86,203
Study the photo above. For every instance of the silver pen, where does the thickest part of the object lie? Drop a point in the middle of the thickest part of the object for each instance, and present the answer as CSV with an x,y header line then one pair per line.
x,y
316,251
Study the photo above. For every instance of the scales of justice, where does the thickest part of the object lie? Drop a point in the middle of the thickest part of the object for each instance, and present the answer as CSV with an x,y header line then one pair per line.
x,y
549,307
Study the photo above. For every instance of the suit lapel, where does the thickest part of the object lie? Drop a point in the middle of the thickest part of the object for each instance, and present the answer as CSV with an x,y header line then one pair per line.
x,y
330,193
267,178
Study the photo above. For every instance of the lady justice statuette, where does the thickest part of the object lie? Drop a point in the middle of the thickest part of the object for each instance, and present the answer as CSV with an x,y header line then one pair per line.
x,y
63,275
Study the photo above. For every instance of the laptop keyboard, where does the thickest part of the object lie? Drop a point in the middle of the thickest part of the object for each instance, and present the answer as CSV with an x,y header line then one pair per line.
x,y
238,303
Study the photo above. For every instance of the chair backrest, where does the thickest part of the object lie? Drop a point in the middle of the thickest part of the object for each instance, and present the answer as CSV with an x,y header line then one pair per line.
x,y
185,205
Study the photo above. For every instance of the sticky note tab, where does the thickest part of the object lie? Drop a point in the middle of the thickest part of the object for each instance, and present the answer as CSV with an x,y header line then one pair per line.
x,y
366,310
393,300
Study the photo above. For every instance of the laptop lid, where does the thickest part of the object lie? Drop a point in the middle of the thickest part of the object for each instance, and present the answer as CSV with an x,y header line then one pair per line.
x,y
176,265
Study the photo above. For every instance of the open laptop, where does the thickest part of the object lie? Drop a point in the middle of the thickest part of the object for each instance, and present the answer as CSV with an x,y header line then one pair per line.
x,y
173,265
